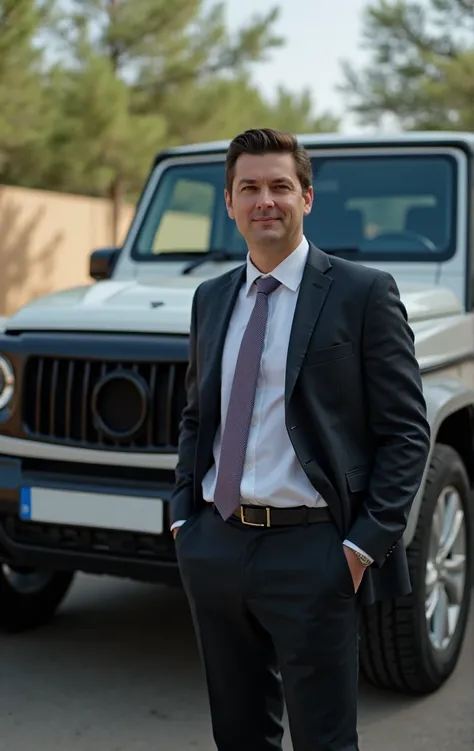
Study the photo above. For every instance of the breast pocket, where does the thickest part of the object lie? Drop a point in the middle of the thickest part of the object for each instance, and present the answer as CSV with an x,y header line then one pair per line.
x,y
329,354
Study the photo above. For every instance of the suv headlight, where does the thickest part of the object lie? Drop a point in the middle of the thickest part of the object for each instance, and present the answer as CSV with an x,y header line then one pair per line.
x,y
7,382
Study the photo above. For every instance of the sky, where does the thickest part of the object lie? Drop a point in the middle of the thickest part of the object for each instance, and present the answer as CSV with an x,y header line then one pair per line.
x,y
319,34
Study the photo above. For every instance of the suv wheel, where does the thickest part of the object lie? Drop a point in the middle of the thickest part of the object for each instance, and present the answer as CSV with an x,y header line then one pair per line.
x,y
30,597
413,644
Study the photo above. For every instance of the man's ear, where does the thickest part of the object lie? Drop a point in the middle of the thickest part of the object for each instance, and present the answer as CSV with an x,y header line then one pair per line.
x,y
308,200
228,203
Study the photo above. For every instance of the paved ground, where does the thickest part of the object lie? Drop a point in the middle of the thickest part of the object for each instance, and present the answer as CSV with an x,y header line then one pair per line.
x,y
118,671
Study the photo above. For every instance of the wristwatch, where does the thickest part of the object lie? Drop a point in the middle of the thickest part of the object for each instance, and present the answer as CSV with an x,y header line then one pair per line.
x,y
362,558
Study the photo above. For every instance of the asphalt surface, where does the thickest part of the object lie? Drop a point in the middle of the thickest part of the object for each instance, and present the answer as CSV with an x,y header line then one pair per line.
x,y
118,670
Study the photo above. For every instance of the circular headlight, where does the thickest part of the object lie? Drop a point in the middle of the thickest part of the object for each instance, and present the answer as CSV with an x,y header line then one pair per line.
x,y
7,382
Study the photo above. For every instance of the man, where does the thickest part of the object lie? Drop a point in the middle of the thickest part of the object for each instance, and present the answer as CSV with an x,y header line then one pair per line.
x,y
302,446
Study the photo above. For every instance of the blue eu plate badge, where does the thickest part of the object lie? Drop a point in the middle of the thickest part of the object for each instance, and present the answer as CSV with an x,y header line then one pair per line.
x,y
25,503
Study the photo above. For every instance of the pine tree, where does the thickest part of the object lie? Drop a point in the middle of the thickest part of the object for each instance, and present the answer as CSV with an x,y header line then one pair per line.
x,y
422,65
25,118
137,75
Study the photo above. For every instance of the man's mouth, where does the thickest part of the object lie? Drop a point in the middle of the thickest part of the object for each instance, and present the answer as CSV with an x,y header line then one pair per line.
x,y
266,219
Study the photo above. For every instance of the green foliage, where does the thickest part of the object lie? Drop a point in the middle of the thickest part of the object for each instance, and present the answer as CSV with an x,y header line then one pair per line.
x,y
92,89
422,65
96,136
24,115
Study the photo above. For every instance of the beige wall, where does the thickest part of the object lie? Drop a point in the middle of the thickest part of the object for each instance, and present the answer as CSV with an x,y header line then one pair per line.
x,y
46,239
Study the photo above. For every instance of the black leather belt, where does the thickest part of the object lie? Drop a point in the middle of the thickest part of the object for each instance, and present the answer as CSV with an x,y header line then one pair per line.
x,y
267,516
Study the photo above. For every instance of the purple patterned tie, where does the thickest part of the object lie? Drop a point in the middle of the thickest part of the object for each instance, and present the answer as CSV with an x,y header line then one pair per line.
x,y
241,403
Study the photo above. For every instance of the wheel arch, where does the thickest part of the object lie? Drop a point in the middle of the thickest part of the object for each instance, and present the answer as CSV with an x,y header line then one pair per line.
x,y
450,413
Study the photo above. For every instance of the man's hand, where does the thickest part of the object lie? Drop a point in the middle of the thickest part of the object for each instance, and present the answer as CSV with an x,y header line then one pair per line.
x,y
357,569
177,528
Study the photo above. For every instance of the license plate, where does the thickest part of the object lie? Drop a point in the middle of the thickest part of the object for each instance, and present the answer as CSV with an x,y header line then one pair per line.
x,y
82,509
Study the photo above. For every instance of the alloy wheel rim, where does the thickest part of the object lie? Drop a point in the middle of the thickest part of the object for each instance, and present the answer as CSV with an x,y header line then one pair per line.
x,y
445,579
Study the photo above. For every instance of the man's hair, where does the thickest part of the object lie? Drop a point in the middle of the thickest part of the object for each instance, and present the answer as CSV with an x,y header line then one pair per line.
x,y
268,141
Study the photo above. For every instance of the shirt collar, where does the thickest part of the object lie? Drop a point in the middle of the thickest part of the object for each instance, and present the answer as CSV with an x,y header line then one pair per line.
x,y
289,272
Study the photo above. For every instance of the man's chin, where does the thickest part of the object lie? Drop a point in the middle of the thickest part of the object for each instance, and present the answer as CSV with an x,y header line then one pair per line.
x,y
269,233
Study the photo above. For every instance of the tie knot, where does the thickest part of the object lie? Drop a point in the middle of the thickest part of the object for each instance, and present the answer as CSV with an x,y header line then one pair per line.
x,y
267,284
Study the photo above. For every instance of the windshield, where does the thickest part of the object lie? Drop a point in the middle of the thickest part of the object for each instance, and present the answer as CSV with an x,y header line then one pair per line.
x,y
375,207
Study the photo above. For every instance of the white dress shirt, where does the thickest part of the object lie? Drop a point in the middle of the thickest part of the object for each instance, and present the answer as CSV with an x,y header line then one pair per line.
x,y
272,473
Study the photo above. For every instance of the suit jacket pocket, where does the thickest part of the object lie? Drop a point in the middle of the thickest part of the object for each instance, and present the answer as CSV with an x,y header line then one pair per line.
x,y
358,480
328,354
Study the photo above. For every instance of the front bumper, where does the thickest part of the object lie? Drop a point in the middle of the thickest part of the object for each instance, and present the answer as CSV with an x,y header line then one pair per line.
x,y
115,552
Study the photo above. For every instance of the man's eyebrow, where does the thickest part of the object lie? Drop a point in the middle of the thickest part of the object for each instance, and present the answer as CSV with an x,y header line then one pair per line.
x,y
253,181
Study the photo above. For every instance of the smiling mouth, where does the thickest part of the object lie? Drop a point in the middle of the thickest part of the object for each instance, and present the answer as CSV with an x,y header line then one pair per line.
x,y
267,220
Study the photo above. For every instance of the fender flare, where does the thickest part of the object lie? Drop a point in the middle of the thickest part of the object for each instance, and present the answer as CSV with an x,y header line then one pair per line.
x,y
444,396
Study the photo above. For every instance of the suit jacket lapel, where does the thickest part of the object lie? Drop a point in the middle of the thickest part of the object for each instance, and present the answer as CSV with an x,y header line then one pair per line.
x,y
314,287
223,304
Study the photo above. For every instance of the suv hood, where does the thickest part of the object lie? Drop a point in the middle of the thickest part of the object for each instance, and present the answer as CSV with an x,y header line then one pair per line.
x,y
165,307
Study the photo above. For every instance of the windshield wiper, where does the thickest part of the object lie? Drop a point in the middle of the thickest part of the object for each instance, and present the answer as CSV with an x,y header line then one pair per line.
x,y
211,255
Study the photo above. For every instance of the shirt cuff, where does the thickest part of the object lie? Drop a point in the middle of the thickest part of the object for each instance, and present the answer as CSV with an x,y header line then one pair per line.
x,y
350,544
177,524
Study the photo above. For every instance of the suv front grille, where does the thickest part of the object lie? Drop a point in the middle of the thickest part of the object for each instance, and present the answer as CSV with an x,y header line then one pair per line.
x,y
102,404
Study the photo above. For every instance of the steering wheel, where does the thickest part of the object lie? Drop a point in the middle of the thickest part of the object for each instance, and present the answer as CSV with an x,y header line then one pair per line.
x,y
396,236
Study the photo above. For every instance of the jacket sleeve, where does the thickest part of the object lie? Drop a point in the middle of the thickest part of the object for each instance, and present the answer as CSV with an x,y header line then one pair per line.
x,y
397,420
182,499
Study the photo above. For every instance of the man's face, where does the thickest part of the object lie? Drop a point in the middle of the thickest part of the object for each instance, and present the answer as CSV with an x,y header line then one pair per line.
x,y
267,200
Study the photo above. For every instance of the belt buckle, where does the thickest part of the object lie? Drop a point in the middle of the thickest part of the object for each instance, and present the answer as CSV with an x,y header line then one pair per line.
x,y
266,523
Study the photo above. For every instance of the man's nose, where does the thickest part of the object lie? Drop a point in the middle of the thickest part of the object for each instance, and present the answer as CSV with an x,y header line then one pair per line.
x,y
265,199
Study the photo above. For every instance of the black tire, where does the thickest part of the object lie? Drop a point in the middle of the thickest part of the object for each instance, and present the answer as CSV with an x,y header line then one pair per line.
x,y
25,608
396,652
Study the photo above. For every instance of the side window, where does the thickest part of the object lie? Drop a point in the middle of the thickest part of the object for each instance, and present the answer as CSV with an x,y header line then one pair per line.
x,y
186,222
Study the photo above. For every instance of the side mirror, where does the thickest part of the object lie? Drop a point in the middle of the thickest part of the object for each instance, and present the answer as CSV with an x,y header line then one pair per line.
x,y
102,262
